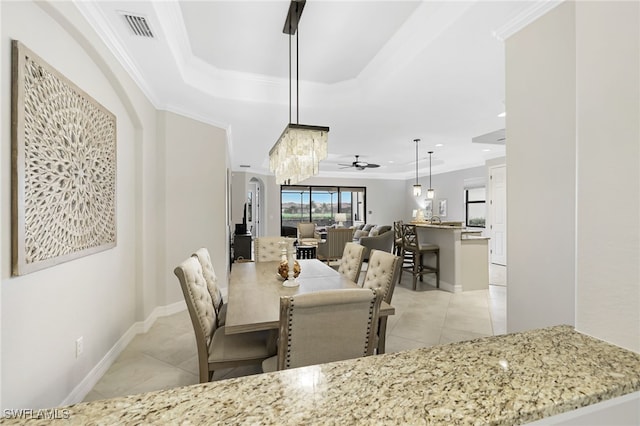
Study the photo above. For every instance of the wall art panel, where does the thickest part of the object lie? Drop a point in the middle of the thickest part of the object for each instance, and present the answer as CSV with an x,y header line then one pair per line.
x,y
63,167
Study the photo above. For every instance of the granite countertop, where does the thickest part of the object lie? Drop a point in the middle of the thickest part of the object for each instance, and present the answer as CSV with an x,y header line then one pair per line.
x,y
436,225
503,380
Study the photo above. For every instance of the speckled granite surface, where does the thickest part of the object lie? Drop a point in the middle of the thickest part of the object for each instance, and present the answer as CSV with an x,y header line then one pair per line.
x,y
502,380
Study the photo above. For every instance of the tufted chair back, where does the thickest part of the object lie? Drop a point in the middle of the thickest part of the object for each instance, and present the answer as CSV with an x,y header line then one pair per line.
x,y
202,254
382,273
327,326
351,262
199,303
267,249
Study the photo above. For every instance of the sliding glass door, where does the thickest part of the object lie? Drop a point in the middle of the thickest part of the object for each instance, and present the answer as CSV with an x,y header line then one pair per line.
x,y
320,204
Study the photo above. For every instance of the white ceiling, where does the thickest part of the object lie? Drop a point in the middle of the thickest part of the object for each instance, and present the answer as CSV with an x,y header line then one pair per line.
x,y
378,73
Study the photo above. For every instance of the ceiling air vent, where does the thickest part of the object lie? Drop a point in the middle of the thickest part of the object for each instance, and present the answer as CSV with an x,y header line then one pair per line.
x,y
138,24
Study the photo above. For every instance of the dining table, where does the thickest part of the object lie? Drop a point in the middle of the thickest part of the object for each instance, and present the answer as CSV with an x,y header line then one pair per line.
x,y
255,289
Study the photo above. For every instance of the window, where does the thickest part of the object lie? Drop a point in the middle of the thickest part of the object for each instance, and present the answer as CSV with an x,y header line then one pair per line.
x,y
475,207
319,204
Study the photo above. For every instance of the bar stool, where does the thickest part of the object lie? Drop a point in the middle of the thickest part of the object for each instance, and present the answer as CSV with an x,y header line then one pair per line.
x,y
397,238
412,245
407,257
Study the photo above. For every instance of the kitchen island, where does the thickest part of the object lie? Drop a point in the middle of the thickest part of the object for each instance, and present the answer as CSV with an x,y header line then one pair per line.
x,y
501,380
464,255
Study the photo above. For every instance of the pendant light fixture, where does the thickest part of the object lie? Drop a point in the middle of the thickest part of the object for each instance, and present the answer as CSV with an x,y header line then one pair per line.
x,y
417,188
430,192
297,154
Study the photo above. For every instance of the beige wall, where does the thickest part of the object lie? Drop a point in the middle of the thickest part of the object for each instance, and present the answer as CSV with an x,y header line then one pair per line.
x,y
46,311
608,155
195,173
573,180
171,171
541,147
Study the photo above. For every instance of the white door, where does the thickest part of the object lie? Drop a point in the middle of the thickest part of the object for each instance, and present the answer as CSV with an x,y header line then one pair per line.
x,y
498,214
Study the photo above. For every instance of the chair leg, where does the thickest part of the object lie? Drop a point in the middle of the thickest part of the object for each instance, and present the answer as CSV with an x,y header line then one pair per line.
x,y
437,268
382,335
415,269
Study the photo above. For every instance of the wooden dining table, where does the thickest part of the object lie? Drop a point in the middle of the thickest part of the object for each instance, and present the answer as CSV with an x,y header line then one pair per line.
x,y
255,288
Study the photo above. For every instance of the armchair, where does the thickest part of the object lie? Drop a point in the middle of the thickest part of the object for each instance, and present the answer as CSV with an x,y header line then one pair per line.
x,y
333,247
307,234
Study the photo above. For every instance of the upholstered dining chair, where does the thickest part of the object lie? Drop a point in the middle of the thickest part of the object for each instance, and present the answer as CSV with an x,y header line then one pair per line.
x,y
215,348
202,254
351,262
326,326
382,274
267,249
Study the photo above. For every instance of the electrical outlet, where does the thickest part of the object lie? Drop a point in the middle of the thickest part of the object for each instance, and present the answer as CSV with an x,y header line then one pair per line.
x,y
79,346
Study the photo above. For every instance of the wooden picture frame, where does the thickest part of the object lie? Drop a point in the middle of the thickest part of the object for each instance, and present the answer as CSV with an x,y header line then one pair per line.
x,y
63,177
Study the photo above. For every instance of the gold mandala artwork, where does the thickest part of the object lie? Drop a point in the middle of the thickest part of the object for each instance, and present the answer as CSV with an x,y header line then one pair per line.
x,y
64,168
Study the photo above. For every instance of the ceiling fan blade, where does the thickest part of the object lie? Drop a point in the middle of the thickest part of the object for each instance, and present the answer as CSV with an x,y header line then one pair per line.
x,y
345,165
372,166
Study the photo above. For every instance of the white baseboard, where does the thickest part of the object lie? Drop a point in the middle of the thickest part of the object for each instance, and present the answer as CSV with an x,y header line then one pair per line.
x,y
140,327
162,311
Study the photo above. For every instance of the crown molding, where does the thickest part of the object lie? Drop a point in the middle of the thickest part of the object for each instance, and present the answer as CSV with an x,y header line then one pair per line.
x,y
99,22
525,17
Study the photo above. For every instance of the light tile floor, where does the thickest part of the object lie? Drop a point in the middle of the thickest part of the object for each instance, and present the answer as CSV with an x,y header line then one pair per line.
x,y
165,356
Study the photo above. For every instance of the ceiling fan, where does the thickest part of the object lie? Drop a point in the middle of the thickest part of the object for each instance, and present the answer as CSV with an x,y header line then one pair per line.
x,y
360,165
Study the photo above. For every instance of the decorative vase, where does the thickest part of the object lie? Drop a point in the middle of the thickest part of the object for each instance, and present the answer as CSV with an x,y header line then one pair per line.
x,y
283,269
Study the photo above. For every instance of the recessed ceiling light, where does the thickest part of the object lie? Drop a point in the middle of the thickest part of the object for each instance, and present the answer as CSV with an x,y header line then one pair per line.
x,y
439,145
486,150
502,114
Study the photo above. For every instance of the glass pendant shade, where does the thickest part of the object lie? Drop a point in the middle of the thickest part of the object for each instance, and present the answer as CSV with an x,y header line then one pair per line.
x,y
297,154
431,193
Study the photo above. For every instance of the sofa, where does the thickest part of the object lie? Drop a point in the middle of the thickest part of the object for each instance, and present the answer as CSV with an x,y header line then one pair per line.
x,y
369,230
379,237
